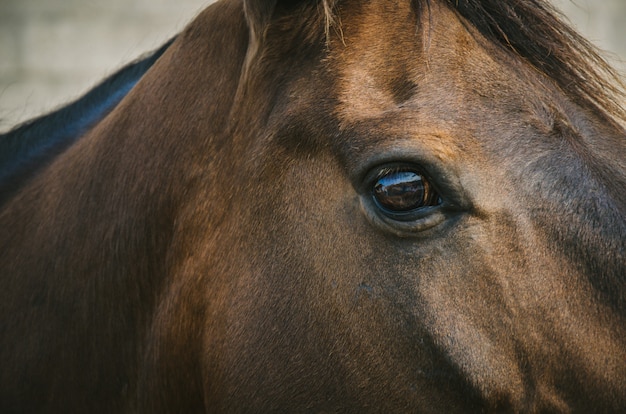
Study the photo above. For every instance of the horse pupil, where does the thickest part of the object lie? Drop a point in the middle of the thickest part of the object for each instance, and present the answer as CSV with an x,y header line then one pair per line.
x,y
403,191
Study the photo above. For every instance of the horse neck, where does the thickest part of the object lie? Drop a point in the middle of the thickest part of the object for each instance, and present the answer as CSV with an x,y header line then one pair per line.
x,y
100,218
28,147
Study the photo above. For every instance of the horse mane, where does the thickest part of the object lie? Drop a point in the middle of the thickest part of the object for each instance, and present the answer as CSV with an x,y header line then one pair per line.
x,y
29,146
536,31
539,34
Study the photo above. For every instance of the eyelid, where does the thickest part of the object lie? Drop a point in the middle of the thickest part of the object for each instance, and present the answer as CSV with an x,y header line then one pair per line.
x,y
443,177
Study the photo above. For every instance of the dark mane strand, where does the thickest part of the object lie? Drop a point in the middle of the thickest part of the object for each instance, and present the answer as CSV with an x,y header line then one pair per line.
x,y
536,31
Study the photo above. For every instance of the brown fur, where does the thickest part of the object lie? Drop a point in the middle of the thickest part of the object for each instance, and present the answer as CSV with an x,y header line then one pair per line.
x,y
210,245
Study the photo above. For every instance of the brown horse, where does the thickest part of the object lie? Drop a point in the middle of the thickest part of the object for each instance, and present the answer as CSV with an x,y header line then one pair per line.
x,y
325,206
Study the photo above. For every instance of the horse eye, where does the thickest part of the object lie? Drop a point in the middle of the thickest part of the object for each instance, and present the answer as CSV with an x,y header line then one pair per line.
x,y
403,191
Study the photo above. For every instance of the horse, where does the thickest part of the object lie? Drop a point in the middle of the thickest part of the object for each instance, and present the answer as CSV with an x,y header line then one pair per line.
x,y
325,206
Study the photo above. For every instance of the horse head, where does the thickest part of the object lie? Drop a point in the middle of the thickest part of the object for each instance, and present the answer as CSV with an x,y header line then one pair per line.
x,y
334,206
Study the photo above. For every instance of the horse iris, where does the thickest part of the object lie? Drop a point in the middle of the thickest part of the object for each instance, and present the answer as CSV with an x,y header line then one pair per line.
x,y
404,191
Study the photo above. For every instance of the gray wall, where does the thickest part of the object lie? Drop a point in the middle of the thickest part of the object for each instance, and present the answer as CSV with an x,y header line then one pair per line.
x,y
601,21
53,50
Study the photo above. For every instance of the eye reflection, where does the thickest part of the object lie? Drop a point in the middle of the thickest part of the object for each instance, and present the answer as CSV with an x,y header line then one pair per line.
x,y
400,191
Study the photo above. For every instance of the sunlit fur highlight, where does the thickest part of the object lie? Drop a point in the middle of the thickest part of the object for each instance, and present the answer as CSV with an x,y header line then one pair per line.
x,y
539,34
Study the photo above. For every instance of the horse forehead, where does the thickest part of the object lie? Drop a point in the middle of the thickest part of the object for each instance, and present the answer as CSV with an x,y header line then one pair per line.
x,y
391,58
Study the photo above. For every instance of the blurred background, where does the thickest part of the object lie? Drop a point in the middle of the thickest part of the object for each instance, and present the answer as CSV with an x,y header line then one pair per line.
x,y
52,51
